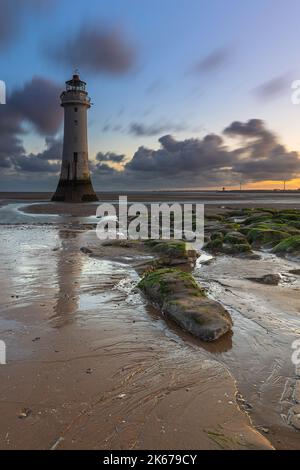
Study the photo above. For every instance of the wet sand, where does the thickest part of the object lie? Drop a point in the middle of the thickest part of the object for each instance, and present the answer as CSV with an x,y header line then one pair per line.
x,y
266,323
92,365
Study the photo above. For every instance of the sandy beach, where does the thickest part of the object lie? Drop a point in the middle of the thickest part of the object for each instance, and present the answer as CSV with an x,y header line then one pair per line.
x,y
92,365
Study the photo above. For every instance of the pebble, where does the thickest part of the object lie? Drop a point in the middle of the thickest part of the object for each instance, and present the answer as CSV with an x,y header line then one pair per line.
x,y
25,412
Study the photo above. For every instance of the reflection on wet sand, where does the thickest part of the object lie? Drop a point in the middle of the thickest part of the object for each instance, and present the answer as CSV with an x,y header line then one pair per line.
x,y
68,271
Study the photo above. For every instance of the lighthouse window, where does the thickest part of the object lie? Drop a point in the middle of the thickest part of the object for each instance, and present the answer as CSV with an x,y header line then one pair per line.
x,y
76,122
75,109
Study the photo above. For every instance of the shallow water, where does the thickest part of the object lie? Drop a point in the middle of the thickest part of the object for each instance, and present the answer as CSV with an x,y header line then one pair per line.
x,y
266,323
95,365
12,214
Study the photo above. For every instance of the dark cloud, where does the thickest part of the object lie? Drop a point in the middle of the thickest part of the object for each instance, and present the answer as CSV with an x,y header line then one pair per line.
x,y
47,161
261,156
10,132
255,156
34,104
31,163
53,151
103,169
110,157
273,88
174,156
38,103
212,61
142,130
96,49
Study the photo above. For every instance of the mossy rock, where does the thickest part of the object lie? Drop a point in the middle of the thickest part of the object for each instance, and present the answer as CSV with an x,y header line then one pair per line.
x,y
217,217
237,248
176,248
182,300
271,225
217,236
289,246
257,218
215,245
235,238
264,237
289,216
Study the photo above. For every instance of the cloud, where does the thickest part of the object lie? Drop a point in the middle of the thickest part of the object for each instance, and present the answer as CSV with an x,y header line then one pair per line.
x,y
11,15
103,169
35,103
213,61
48,161
38,103
96,49
273,88
254,155
261,156
176,156
110,157
142,130
10,132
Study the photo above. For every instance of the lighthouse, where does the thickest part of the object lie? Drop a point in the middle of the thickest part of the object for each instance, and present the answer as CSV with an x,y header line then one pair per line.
x,y
75,182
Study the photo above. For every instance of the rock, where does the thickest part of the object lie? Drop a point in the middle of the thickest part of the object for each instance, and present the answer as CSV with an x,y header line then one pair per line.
x,y
217,236
215,245
235,238
181,299
264,430
296,272
268,279
25,412
236,249
257,217
174,248
264,237
85,250
290,245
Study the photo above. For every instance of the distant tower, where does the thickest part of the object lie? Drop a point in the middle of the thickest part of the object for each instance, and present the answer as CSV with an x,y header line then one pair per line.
x,y
75,182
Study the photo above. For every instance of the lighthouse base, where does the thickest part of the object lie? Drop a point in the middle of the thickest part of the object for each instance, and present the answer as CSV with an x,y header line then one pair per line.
x,y
74,191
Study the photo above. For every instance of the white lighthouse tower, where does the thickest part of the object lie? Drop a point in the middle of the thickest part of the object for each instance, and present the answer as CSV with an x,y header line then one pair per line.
x,y
75,182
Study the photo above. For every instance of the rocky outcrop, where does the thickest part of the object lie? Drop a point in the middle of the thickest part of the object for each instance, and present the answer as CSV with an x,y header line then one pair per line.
x,y
182,300
268,279
289,247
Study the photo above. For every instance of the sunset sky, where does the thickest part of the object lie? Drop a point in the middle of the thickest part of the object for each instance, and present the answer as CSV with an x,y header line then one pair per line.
x,y
186,93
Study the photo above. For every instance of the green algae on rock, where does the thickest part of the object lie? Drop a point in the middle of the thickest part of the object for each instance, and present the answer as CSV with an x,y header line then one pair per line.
x,y
182,300
264,237
289,246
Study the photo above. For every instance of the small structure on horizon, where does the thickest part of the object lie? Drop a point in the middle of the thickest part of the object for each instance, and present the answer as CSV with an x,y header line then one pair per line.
x,y
75,182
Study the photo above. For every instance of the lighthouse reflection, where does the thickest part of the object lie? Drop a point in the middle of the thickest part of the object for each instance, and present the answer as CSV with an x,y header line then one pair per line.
x,y
69,267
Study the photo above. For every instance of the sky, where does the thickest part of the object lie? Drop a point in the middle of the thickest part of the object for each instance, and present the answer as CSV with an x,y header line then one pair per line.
x,y
186,93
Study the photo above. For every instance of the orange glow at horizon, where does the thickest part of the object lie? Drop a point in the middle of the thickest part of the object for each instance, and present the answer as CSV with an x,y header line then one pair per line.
x,y
290,185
